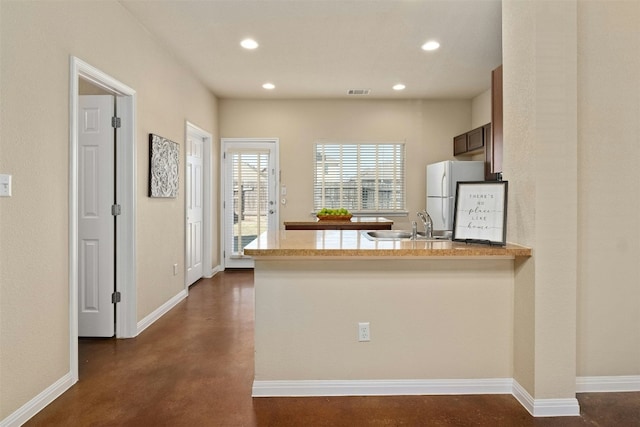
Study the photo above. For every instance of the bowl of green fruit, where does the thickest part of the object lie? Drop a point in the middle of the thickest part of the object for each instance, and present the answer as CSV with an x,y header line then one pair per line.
x,y
328,214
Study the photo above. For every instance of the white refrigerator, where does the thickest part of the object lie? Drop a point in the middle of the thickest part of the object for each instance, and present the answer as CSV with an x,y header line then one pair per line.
x,y
441,188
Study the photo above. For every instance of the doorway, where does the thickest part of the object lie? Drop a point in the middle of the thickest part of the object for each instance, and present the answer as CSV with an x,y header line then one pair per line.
x,y
124,186
198,262
250,179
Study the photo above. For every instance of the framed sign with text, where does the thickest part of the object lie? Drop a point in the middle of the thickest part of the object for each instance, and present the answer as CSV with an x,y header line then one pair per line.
x,y
481,212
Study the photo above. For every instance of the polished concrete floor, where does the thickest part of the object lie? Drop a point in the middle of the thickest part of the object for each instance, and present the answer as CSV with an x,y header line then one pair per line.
x,y
194,367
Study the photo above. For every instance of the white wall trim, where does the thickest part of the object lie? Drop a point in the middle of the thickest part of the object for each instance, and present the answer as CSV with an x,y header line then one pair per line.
x,y
127,312
215,270
616,383
207,198
38,403
545,407
126,315
536,407
523,397
161,311
380,387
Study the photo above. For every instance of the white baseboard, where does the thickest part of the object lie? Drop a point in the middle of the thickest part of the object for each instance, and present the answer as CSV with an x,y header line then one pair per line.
x,y
303,388
545,407
35,405
380,387
160,311
215,270
608,384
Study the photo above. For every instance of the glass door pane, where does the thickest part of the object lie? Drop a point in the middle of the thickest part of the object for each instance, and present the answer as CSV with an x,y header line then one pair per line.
x,y
250,196
250,179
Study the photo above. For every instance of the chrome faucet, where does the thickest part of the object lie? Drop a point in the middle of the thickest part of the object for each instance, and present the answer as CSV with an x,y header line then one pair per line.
x,y
427,222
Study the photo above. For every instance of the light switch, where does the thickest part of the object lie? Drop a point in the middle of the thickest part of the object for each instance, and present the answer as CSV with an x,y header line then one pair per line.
x,y
5,185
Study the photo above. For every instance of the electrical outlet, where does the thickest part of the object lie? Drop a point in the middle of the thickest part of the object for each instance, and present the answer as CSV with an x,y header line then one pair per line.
x,y
364,333
175,269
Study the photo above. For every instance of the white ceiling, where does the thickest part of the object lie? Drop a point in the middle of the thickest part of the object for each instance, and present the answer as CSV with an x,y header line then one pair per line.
x,y
322,48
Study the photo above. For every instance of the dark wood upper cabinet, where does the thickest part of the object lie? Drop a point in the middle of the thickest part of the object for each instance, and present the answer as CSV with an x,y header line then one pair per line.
x,y
460,144
475,139
488,155
494,155
470,142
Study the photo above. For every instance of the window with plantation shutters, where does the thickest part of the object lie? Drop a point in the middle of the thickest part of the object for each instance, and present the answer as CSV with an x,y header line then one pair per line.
x,y
363,177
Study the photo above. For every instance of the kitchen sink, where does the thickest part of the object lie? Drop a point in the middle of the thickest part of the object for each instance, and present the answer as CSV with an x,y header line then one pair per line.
x,y
401,235
387,234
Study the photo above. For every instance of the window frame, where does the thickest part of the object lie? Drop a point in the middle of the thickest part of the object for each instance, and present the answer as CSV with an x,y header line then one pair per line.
x,y
396,203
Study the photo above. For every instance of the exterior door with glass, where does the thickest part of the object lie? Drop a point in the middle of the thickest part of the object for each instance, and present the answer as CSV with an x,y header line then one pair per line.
x,y
250,182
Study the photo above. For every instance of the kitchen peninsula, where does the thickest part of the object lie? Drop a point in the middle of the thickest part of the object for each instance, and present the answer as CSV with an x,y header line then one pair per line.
x,y
440,315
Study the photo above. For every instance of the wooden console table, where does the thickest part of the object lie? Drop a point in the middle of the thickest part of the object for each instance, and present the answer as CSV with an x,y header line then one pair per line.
x,y
355,223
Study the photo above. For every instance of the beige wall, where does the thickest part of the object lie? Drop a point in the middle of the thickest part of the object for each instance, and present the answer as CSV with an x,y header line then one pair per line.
x,y
85,87
427,127
429,319
609,178
37,40
572,122
540,163
480,116
481,109
519,134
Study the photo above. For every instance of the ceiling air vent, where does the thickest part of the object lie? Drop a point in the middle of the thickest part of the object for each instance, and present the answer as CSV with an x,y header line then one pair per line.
x,y
358,91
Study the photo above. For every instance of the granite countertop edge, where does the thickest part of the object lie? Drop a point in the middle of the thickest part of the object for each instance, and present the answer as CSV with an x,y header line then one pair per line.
x,y
350,244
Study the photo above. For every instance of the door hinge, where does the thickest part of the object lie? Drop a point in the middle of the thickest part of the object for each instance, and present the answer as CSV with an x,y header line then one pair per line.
x,y
115,122
115,297
116,210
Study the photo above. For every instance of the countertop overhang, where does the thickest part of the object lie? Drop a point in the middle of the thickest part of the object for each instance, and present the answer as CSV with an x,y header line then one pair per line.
x,y
351,243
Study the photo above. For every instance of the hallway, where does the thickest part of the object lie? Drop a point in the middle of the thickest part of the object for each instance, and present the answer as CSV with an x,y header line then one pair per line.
x,y
194,367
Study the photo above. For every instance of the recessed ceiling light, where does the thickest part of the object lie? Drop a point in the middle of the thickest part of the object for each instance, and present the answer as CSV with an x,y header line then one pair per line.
x,y
431,45
399,86
249,44
269,86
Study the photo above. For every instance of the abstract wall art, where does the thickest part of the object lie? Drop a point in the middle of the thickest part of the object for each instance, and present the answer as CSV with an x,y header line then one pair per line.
x,y
163,167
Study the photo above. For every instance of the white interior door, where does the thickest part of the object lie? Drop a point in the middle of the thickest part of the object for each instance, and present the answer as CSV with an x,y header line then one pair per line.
x,y
194,254
250,181
96,224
